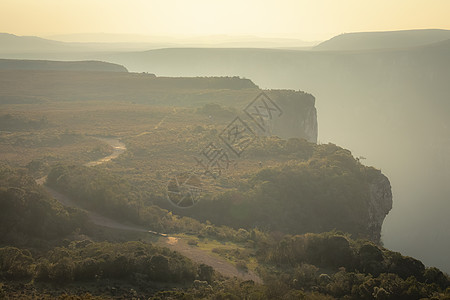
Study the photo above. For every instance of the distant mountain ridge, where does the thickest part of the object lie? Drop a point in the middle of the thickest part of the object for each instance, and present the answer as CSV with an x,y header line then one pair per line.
x,y
383,40
13,46
10,43
208,41
92,66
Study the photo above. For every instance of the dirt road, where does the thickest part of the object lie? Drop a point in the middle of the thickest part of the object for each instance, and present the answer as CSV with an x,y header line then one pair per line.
x,y
220,265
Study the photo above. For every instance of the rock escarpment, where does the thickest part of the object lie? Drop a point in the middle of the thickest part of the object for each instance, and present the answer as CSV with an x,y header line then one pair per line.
x,y
299,120
299,115
379,205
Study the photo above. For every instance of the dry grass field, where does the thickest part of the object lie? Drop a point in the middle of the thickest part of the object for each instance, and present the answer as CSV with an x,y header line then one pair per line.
x,y
51,117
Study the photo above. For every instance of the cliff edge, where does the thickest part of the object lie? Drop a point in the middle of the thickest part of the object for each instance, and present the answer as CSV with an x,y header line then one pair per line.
x,y
379,205
299,115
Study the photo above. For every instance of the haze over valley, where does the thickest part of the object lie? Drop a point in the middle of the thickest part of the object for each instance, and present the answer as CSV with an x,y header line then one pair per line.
x,y
286,151
369,100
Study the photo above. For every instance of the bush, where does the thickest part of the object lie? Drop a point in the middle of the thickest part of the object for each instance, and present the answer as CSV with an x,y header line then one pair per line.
x,y
15,263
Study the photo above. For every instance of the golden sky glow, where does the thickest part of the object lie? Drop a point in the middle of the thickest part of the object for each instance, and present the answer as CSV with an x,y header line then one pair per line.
x,y
304,19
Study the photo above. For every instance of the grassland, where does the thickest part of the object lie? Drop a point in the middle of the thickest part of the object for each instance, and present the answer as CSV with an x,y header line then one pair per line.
x,y
157,118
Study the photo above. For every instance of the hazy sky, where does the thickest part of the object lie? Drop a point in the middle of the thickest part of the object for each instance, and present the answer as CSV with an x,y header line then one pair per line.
x,y
304,19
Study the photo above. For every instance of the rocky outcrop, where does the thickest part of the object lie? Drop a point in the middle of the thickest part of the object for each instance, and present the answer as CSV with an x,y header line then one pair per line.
x,y
299,115
380,203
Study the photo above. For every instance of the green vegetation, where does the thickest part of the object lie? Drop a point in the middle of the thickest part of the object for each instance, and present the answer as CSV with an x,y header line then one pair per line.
x,y
333,264
28,216
317,188
136,264
86,260
322,189
114,197
312,266
249,218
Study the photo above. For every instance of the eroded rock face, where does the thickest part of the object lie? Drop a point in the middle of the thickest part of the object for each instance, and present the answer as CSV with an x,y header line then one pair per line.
x,y
380,203
299,115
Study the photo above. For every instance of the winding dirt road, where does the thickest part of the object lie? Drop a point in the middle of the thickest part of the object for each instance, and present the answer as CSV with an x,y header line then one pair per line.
x,y
220,265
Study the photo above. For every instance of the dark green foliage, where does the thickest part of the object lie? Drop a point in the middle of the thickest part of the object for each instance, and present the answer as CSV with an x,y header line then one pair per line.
x,y
354,269
205,273
405,266
15,263
62,271
27,212
94,190
371,259
108,195
112,196
323,189
434,275
293,276
82,261
125,260
332,250
329,252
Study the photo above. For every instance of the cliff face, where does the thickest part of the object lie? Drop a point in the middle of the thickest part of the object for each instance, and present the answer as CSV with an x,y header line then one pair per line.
x,y
299,115
299,120
379,205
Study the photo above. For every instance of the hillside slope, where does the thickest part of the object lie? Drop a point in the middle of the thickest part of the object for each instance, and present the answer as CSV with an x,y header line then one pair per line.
x,y
47,65
383,40
11,43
